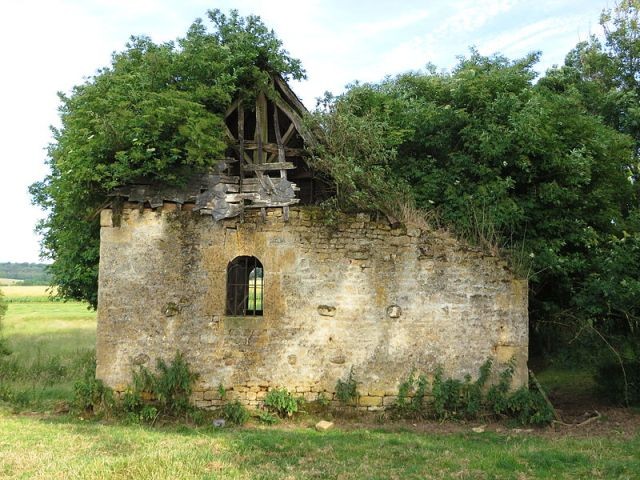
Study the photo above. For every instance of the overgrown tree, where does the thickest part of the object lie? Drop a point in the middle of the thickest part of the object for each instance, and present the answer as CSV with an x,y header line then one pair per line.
x,y
607,77
509,163
157,111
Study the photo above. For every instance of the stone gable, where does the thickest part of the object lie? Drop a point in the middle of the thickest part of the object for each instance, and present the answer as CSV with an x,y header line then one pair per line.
x,y
360,294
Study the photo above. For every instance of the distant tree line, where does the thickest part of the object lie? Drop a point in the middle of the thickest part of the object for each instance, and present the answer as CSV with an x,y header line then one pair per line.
x,y
29,273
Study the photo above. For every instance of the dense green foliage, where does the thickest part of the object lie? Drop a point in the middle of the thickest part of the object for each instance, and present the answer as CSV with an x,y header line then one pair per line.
x,y
170,386
606,76
281,402
235,412
450,398
29,273
347,389
511,164
157,112
544,171
164,393
357,151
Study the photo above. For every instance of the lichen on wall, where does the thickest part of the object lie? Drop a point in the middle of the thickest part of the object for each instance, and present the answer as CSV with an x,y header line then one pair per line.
x,y
359,294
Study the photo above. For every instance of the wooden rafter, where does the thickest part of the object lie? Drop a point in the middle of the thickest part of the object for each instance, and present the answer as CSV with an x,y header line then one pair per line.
x,y
281,154
232,107
261,151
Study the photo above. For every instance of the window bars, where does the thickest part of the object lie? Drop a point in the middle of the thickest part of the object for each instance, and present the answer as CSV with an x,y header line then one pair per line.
x,y
245,287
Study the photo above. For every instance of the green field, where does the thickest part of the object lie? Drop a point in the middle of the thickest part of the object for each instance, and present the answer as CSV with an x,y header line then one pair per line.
x,y
50,341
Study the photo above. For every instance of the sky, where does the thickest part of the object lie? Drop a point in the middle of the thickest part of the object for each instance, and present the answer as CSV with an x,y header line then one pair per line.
x,y
49,46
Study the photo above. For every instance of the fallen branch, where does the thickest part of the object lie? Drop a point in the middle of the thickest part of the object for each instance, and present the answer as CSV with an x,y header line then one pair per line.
x,y
556,415
581,424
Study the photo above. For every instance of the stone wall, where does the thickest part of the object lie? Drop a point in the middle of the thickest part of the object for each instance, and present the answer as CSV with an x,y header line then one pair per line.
x,y
360,294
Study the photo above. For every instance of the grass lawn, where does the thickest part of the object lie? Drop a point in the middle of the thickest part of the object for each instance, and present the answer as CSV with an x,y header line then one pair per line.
x,y
55,448
51,339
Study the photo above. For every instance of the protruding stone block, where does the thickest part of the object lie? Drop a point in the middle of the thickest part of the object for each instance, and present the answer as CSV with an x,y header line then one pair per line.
x,y
327,310
394,311
323,425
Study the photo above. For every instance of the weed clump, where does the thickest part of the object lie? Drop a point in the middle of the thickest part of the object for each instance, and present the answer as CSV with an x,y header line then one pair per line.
x,y
91,394
281,402
164,393
347,389
465,399
236,413
411,396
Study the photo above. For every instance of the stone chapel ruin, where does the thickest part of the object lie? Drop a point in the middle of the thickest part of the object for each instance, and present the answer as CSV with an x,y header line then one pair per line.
x,y
235,271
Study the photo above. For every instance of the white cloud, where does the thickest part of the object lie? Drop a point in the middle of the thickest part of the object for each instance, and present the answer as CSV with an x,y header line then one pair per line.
x,y
470,15
526,38
369,29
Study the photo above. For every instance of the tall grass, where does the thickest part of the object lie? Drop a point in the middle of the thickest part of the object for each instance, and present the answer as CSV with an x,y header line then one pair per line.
x,y
49,343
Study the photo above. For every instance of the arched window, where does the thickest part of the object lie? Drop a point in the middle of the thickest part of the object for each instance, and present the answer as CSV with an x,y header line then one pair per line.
x,y
245,278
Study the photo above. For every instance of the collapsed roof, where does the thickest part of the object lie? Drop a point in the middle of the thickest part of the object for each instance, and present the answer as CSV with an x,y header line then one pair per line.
x,y
264,167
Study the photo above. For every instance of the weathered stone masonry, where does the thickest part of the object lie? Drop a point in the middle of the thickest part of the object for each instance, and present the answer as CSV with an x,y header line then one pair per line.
x,y
383,300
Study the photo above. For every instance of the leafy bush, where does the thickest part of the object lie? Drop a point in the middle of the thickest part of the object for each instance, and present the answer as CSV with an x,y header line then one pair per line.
x,y
90,393
235,413
171,386
411,396
268,418
148,414
447,398
498,394
281,402
151,395
132,401
347,390
174,385
457,399
527,406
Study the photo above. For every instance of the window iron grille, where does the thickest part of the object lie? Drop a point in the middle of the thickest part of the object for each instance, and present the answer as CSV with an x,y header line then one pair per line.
x,y
245,287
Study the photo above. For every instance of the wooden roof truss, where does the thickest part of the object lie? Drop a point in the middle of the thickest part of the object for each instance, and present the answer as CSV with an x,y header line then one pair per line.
x,y
267,140
265,157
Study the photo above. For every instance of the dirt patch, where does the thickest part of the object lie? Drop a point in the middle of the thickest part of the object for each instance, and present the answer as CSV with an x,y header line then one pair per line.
x,y
610,422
